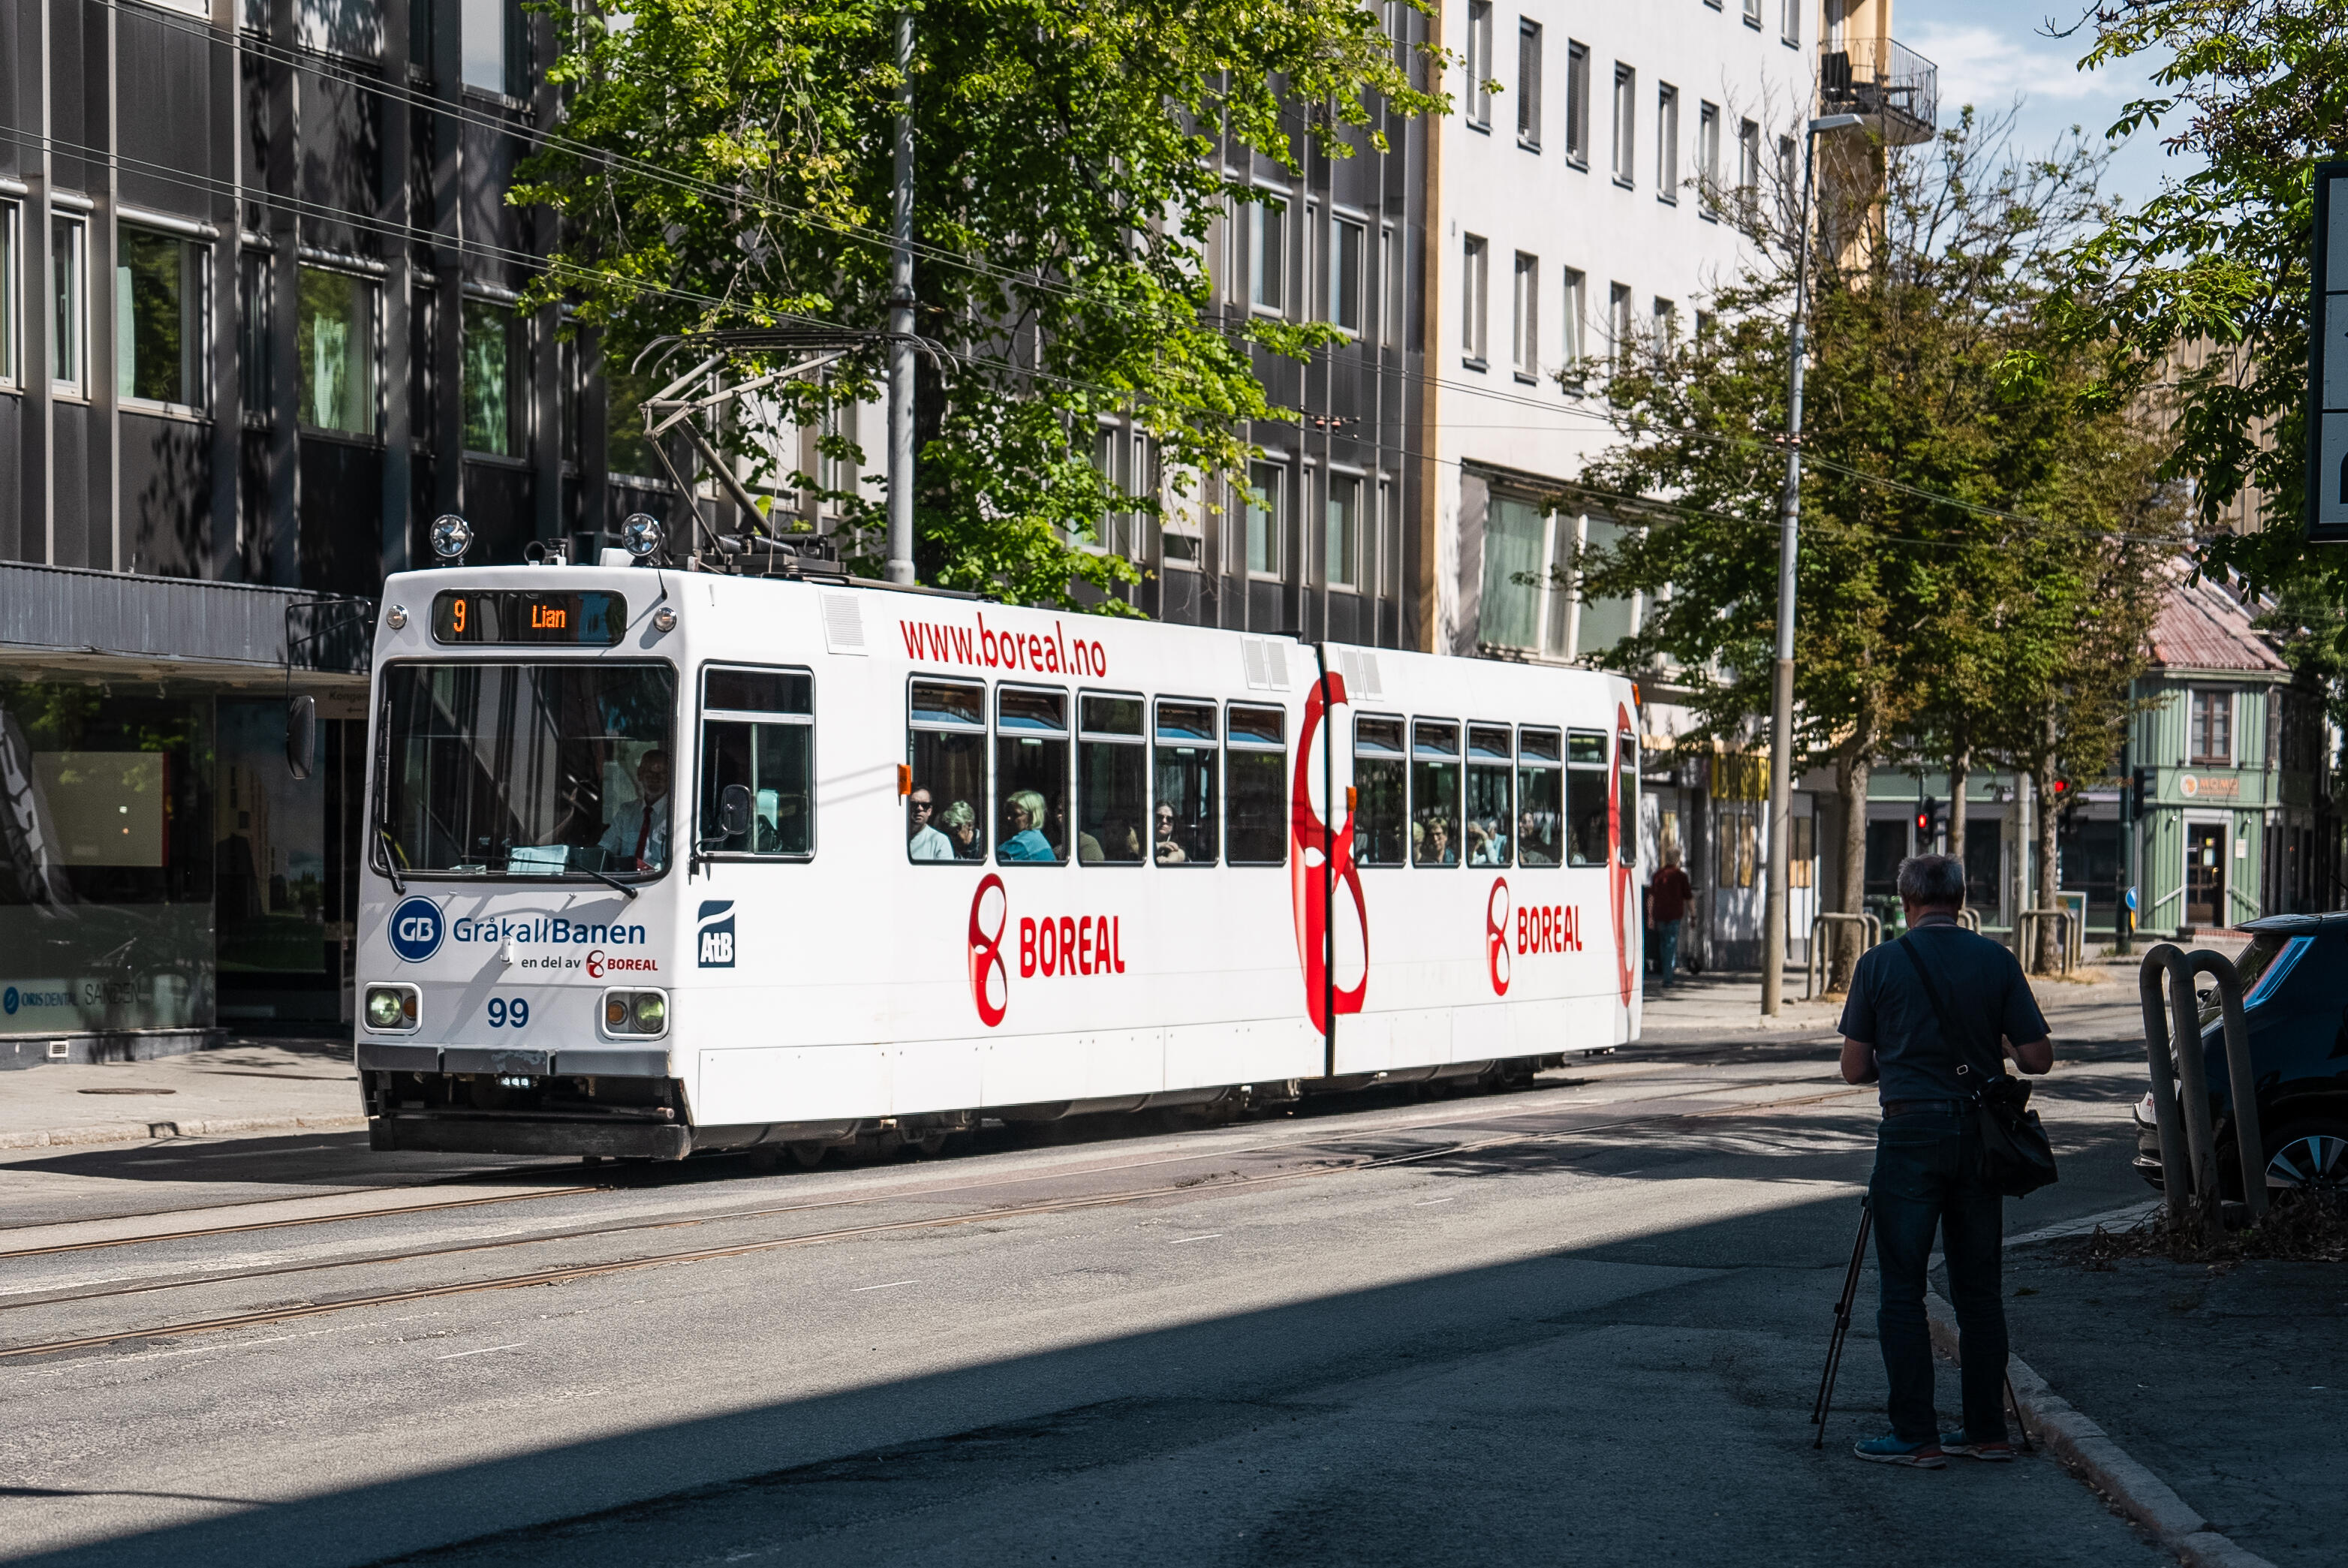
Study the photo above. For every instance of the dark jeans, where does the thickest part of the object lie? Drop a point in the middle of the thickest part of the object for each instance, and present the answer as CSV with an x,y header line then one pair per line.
x,y
1925,1180
1667,953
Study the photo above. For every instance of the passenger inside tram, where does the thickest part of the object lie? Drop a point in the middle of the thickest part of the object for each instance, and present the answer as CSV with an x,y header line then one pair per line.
x,y
1165,850
926,843
961,824
1437,848
1023,816
637,839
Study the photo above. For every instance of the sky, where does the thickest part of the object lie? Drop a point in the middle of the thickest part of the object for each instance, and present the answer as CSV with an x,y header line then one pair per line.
x,y
1997,55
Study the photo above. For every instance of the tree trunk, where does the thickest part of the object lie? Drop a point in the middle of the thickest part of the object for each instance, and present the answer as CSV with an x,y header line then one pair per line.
x,y
2049,953
1961,767
1851,771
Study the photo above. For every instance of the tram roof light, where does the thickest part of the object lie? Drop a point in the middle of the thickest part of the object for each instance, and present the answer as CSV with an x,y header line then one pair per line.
x,y
451,536
641,534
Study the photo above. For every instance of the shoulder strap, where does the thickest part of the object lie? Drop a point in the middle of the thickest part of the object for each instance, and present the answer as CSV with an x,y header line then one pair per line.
x,y
1955,1040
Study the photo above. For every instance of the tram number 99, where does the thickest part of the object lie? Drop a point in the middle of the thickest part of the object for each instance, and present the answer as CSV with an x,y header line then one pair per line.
x,y
504,1014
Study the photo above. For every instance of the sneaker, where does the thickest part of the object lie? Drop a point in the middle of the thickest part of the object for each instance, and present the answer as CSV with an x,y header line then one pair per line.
x,y
1998,1452
1890,1450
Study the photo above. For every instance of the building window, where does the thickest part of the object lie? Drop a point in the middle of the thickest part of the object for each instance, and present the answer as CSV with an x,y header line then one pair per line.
x,y
1529,84
1475,283
1707,155
11,216
252,317
493,380
1397,309
1748,163
1626,124
1573,308
2213,729
1344,530
485,25
1348,239
159,290
1667,144
1267,256
1667,329
1618,322
1577,104
1789,23
68,309
335,338
1787,178
1516,533
1753,14
1524,336
1266,520
1480,63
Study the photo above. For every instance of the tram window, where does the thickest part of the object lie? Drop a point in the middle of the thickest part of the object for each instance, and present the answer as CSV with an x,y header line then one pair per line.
x,y
1112,781
1381,812
946,745
1626,775
1182,827
1031,776
771,755
1539,805
1491,796
1256,786
1585,797
1434,793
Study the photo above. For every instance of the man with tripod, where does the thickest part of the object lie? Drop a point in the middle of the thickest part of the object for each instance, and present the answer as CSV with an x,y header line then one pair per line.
x,y
1925,1016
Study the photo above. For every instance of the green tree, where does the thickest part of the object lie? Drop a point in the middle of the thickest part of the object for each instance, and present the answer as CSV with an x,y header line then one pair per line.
x,y
1960,510
728,162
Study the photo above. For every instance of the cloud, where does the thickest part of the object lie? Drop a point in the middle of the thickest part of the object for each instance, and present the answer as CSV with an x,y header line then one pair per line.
x,y
1987,68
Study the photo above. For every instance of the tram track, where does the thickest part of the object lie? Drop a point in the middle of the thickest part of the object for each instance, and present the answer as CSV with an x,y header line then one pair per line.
x,y
567,1273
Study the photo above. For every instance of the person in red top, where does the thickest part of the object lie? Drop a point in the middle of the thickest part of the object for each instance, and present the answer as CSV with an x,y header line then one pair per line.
x,y
1668,896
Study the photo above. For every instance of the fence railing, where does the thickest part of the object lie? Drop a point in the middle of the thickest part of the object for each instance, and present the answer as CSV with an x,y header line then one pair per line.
x,y
1881,78
2180,1087
1814,974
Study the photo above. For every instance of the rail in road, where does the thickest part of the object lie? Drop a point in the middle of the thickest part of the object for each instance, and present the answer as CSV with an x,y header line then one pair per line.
x,y
1320,1153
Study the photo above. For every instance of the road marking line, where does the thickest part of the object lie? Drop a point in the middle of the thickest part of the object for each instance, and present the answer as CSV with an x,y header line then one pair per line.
x,y
484,1351
1423,1202
1186,1241
892,1285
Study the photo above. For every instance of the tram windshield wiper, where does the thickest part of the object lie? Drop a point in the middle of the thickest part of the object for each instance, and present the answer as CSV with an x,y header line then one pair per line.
x,y
607,879
393,855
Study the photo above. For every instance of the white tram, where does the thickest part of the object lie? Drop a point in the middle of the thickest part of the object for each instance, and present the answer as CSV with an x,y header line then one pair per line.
x,y
667,861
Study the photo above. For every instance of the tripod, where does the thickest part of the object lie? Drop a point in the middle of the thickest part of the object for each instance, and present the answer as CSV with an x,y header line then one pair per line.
x,y
1842,1332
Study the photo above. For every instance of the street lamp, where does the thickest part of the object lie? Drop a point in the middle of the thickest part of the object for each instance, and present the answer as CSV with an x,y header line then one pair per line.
x,y
1789,551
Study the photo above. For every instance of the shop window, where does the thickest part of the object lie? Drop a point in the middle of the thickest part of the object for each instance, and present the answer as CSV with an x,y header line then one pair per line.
x,y
1183,826
1540,797
493,379
1435,793
1801,851
158,335
1381,803
1112,780
1492,795
1031,776
945,744
757,731
335,339
1585,797
1256,786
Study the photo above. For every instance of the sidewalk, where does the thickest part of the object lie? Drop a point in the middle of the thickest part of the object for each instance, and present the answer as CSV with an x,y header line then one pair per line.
x,y
2098,1003
245,1087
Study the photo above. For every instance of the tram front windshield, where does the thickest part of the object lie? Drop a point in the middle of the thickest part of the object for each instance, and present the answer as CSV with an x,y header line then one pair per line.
x,y
528,771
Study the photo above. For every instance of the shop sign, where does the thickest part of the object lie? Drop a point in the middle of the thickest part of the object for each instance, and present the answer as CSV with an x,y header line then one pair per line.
x,y
2209,786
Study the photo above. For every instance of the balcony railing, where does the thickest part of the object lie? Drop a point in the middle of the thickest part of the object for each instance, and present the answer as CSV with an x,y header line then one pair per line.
x,y
1885,80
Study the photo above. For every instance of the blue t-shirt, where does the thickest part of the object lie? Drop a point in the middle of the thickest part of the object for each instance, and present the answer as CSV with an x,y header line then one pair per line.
x,y
1890,1010
1028,845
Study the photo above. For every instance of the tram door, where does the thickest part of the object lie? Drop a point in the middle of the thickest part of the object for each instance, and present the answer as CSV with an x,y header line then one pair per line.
x,y
2205,874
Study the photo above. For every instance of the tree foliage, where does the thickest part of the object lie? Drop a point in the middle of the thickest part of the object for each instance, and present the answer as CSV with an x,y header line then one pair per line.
x,y
729,163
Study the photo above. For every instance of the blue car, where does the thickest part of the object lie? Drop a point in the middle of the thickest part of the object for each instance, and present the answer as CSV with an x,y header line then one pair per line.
x,y
2295,1005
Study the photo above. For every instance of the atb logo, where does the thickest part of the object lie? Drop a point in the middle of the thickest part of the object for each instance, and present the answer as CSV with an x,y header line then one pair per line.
x,y
417,928
715,946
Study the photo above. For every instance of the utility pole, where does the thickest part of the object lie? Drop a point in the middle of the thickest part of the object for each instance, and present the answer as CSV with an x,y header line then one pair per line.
x,y
899,568
1789,552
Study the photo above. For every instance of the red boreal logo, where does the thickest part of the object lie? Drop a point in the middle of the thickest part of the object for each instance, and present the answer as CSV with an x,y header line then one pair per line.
x,y
1548,928
1050,948
600,964
990,983
1037,653
1321,859
1496,936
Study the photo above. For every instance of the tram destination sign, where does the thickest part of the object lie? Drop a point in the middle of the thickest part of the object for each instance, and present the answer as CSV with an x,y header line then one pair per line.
x,y
2327,360
528,615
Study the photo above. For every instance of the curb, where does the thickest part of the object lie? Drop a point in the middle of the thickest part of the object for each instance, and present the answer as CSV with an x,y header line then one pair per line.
x,y
140,1131
2087,1448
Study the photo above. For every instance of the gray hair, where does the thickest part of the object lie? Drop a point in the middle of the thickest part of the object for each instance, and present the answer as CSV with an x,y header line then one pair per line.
x,y
1934,881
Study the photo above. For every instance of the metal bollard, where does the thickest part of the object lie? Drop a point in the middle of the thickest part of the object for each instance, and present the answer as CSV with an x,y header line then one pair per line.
x,y
1814,974
2180,1089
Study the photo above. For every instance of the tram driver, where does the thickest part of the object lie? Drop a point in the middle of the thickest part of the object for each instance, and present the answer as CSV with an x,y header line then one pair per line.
x,y
637,840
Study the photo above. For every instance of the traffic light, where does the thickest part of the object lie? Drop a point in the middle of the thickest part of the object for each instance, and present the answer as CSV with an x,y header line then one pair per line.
x,y
1927,812
2139,791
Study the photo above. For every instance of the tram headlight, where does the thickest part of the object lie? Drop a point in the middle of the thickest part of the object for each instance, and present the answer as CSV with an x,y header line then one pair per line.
x,y
451,536
641,534
652,1012
391,1008
636,1013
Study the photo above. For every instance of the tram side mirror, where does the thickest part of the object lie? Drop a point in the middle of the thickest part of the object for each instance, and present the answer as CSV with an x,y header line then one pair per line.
x,y
735,809
301,736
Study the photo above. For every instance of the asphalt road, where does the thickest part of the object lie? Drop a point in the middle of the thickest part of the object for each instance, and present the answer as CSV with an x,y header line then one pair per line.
x,y
1580,1323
